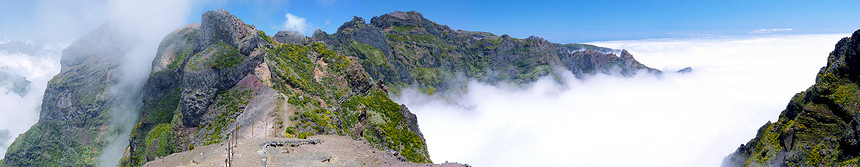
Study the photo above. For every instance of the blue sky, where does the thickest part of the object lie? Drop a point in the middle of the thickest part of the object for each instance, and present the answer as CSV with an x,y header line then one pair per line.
x,y
573,21
557,21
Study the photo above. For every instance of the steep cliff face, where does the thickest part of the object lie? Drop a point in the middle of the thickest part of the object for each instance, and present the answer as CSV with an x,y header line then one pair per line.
x,y
76,107
820,126
404,48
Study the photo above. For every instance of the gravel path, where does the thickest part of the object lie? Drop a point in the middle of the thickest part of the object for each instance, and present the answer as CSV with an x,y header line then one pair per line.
x,y
323,150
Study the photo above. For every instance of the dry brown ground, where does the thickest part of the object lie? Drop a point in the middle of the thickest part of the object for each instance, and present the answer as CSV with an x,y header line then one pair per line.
x,y
332,151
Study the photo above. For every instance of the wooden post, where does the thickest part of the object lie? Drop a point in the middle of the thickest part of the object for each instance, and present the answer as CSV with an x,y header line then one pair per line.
x,y
227,160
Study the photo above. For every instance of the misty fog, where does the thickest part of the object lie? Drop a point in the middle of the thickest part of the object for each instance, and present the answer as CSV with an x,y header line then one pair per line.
x,y
35,62
690,119
58,24
145,23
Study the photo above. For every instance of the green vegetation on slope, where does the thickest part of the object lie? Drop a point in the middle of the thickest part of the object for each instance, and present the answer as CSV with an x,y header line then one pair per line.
x,y
333,102
158,128
226,56
229,105
388,131
159,141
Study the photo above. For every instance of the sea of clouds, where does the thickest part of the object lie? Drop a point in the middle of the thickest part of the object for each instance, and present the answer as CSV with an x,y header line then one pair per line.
x,y
690,119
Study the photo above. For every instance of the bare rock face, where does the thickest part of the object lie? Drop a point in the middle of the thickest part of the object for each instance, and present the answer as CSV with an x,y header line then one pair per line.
x,y
411,121
200,87
220,26
361,32
219,32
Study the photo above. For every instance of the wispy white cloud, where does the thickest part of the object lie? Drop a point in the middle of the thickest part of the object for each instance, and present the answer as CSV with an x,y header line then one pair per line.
x,y
692,119
295,23
770,31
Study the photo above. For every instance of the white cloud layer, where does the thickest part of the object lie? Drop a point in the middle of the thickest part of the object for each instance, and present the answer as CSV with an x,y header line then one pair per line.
x,y
770,31
295,23
692,119
18,113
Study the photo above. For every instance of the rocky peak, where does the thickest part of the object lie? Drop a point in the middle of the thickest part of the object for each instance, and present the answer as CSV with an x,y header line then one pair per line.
x,y
200,84
319,34
844,60
355,23
537,39
625,54
358,30
408,19
221,26
407,15
399,18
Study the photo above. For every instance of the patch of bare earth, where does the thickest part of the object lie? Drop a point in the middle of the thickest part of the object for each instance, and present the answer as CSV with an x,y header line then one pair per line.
x,y
322,150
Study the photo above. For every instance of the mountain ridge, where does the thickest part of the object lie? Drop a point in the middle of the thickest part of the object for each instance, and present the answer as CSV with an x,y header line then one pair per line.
x,y
430,52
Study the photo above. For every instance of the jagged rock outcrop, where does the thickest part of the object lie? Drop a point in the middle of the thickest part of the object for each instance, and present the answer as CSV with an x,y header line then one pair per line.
x,y
221,35
820,126
73,123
